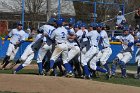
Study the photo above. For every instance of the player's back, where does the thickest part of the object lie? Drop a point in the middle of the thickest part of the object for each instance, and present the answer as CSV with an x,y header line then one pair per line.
x,y
105,39
60,34
48,29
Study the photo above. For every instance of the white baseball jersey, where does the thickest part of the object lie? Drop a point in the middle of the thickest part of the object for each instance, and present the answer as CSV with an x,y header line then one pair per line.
x,y
119,19
26,35
48,29
105,39
138,35
127,39
93,37
60,34
79,34
71,41
16,36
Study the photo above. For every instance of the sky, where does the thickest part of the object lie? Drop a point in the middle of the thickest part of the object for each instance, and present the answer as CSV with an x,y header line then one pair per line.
x,y
67,8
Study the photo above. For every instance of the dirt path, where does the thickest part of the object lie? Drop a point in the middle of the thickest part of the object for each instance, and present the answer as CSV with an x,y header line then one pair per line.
x,y
45,84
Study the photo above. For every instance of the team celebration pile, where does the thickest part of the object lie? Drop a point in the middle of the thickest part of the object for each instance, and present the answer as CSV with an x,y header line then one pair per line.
x,y
74,49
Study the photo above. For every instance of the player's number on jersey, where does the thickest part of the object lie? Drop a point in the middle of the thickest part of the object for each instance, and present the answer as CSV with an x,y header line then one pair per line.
x,y
63,35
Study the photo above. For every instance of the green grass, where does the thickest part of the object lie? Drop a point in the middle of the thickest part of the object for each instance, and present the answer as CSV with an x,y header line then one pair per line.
x,y
118,80
128,67
23,71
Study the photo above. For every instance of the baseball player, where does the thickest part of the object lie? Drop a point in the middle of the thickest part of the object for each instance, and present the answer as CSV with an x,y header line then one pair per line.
x,y
74,52
84,42
32,35
17,37
137,59
47,29
74,49
106,51
137,55
29,52
60,35
72,44
93,36
125,55
103,54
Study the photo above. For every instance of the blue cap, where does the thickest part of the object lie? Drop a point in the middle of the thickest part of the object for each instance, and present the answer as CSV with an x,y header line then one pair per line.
x,y
126,29
93,24
76,25
19,24
51,20
101,25
59,22
83,25
62,19
79,22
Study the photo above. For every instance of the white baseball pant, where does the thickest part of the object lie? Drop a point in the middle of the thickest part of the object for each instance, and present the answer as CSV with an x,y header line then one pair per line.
x,y
89,54
42,51
73,52
103,55
137,59
11,51
61,48
125,56
27,56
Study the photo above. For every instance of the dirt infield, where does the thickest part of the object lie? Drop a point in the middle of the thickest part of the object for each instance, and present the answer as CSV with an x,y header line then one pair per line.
x,y
45,84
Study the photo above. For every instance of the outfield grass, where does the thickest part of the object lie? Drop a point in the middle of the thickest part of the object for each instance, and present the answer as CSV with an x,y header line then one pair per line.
x,y
118,80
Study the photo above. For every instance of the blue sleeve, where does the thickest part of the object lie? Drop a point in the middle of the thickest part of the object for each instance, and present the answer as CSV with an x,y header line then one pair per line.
x,y
6,37
130,44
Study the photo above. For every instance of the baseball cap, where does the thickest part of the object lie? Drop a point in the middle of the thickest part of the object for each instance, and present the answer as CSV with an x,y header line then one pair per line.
x,y
19,24
93,24
126,29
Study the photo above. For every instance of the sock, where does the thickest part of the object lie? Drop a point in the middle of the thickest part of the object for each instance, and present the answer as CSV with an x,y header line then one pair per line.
x,y
19,68
67,67
101,69
40,68
106,67
5,64
123,68
113,68
51,64
86,70
123,71
6,58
